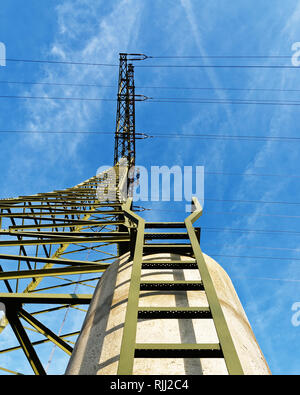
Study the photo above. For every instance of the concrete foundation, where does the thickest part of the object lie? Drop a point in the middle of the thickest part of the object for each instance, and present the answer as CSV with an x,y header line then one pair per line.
x,y
98,346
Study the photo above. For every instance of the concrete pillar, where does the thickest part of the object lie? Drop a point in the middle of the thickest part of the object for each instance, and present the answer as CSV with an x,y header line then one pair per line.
x,y
98,346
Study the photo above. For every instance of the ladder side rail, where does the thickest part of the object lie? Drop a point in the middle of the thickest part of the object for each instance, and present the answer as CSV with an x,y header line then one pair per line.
x,y
231,358
128,344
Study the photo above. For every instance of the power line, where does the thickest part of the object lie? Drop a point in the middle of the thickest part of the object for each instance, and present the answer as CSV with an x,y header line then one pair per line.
x,y
182,135
150,87
223,101
164,65
257,247
53,132
251,201
173,135
255,257
267,278
230,201
137,98
55,98
217,66
60,62
200,99
165,100
237,213
57,84
144,135
219,88
221,57
262,231
138,136
253,215
252,174
224,137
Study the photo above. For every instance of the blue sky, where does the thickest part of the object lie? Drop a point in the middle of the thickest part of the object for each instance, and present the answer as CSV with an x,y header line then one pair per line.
x,y
96,32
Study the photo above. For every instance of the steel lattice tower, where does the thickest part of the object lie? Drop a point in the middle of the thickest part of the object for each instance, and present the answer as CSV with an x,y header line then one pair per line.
x,y
64,230
125,122
51,243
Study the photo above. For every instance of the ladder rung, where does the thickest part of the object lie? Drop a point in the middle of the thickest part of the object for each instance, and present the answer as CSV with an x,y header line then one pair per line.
x,y
181,249
170,265
172,285
174,312
164,235
168,245
164,225
161,247
175,350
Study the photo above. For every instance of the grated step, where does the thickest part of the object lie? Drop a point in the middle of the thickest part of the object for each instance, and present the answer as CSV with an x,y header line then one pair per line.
x,y
167,248
169,265
180,285
164,225
175,350
174,312
163,235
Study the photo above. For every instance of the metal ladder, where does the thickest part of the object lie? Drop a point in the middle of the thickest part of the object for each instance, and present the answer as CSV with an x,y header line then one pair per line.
x,y
129,348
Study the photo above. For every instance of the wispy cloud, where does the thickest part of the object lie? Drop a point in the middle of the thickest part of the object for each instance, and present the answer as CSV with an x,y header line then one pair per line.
x,y
80,36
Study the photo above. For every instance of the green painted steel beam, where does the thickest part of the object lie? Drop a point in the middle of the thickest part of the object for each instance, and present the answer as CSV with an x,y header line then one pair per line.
x,y
41,328
41,298
18,274
11,371
67,224
50,310
61,240
56,261
78,221
65,234
57,204
61,212
230,355
24,341
66,284
38,342
126,361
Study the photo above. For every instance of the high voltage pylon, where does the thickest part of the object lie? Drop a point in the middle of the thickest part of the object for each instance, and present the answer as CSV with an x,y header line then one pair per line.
x,y
81,231
125,122
45,237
